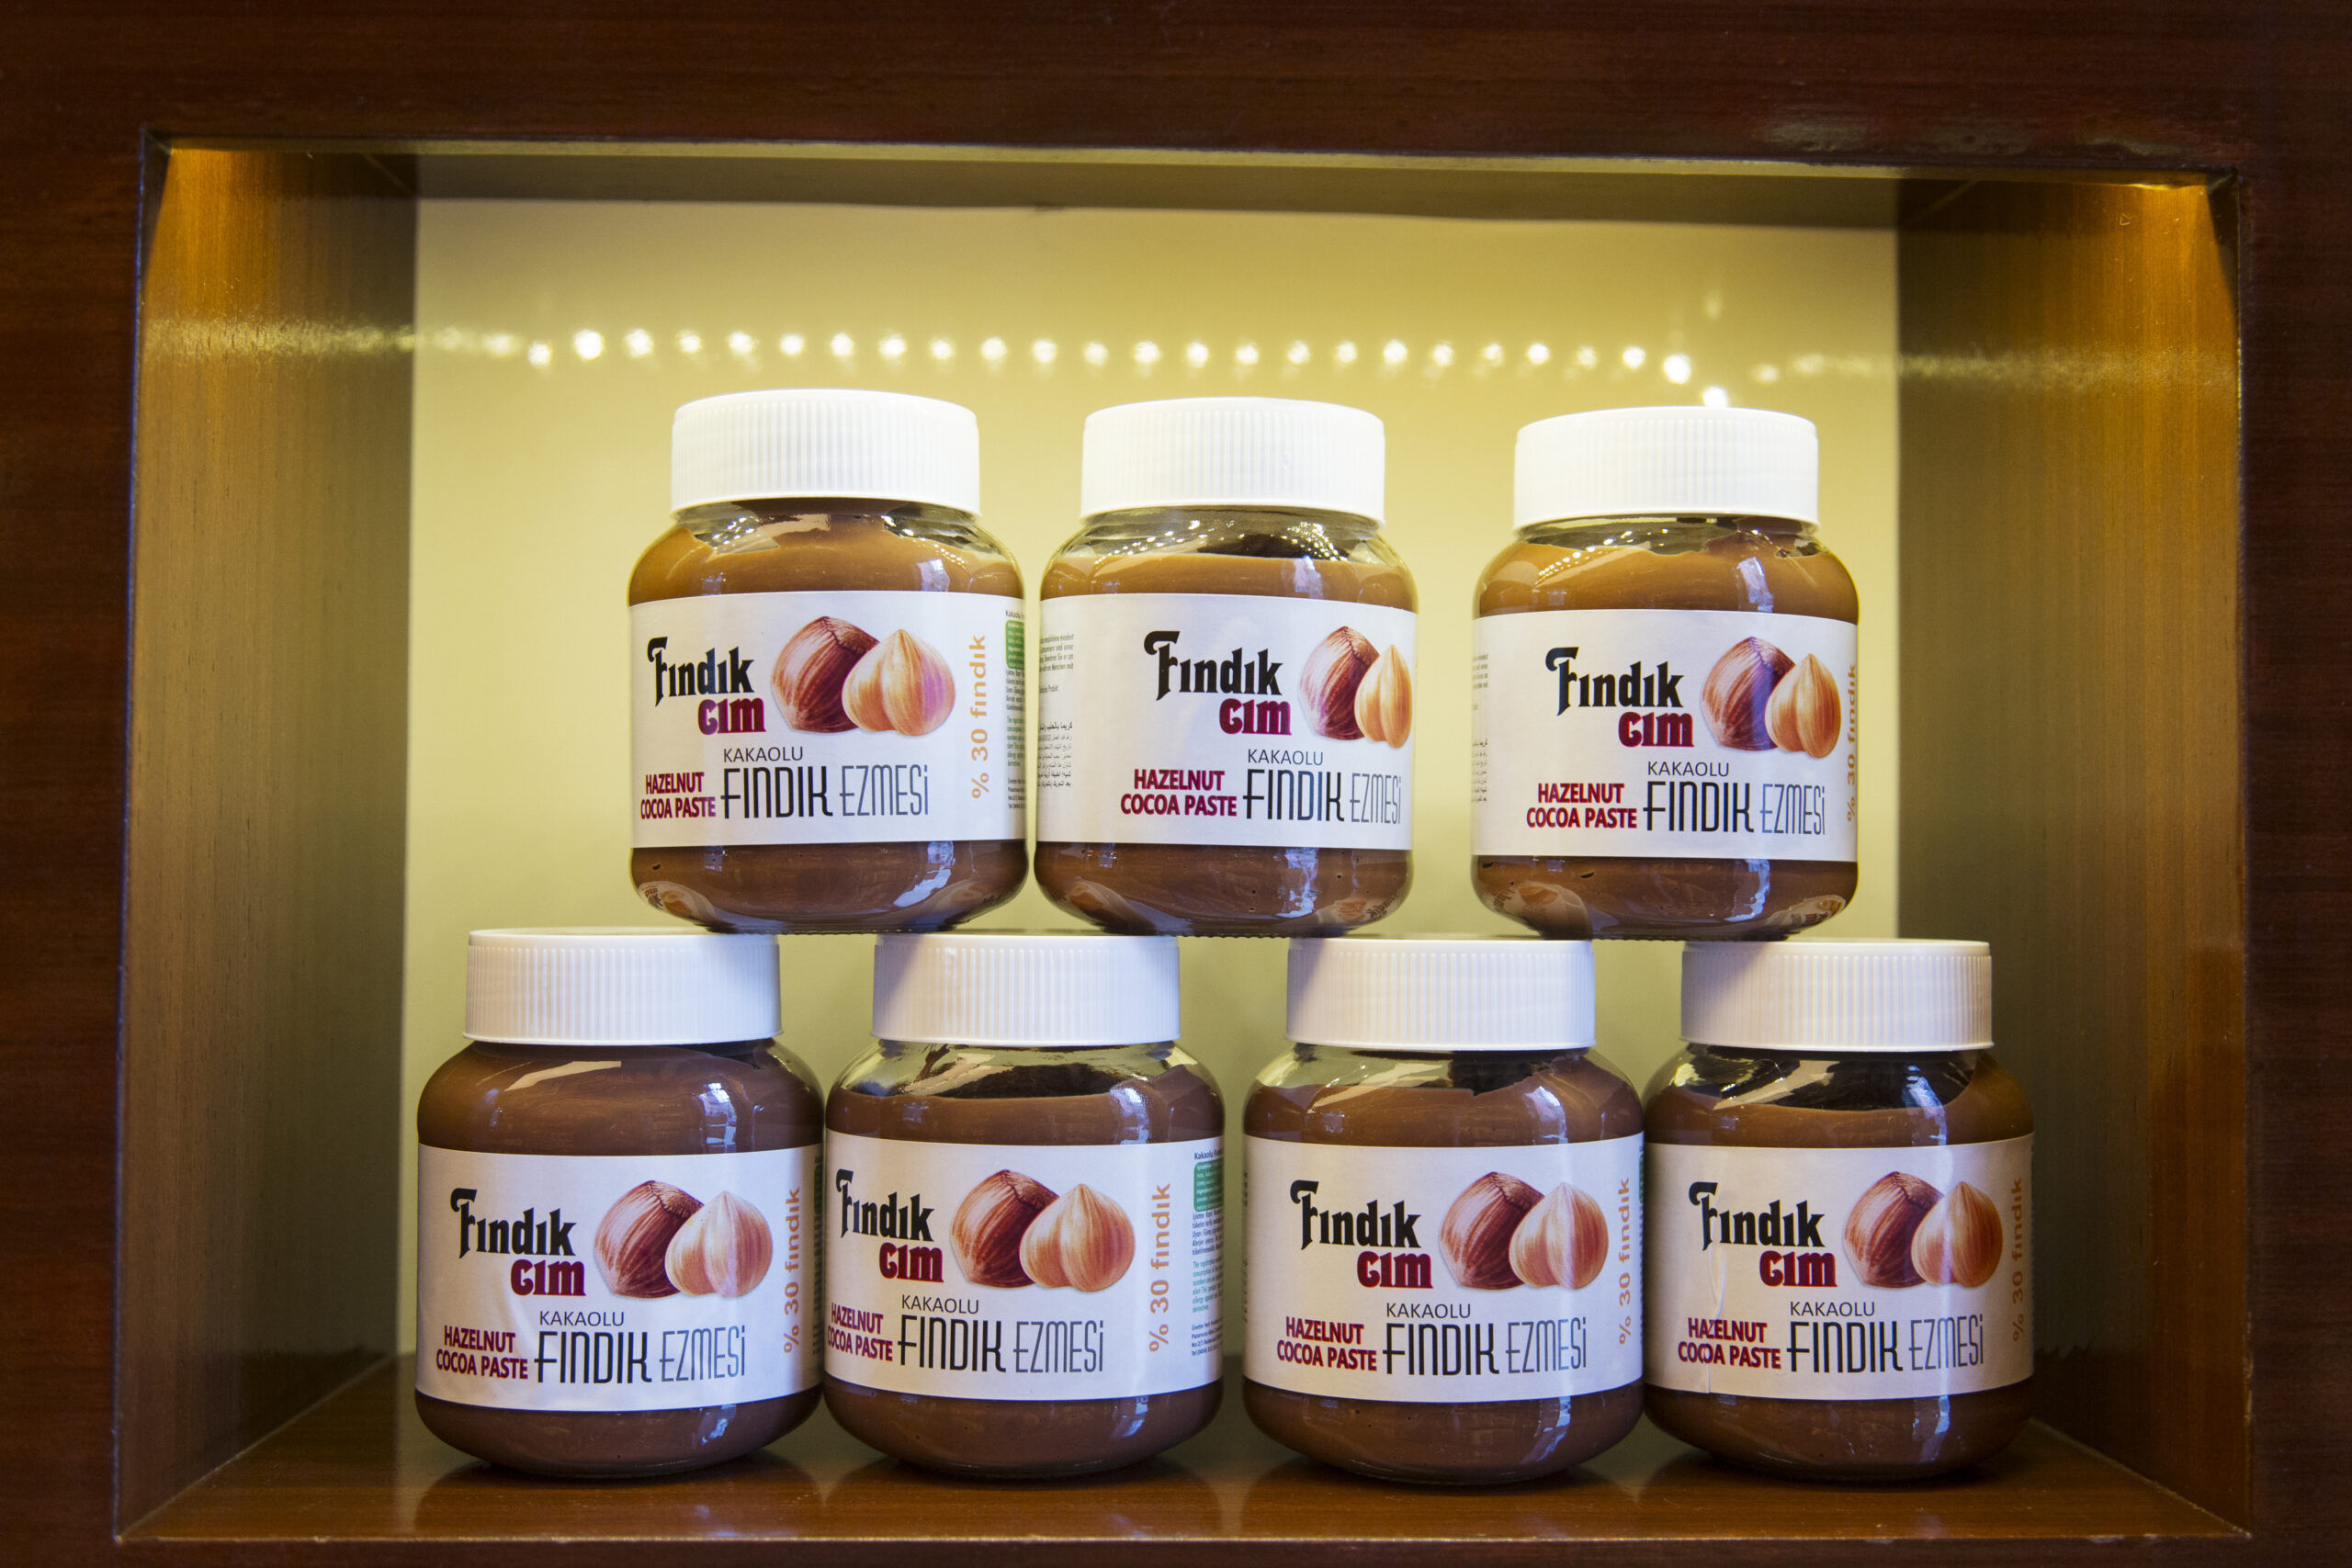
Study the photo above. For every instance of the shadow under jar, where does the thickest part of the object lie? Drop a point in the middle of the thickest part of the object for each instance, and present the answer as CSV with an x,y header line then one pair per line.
x,y
1055,1189
1915,1163
1226,694
1523,1169
827,685
658,1132
1686,635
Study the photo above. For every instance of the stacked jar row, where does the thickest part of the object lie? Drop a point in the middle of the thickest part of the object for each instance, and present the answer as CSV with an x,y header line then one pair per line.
x,y
830,677
1472,1253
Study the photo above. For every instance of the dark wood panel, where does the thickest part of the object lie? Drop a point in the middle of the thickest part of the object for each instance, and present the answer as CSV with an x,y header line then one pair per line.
x,y
364,1471
262,964
2071,779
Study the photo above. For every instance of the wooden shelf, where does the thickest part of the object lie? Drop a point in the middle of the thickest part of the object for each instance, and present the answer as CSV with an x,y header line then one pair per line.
x,y
360,1467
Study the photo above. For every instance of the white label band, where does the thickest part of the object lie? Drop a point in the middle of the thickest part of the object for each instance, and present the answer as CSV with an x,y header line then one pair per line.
x,y
1217,718
1400,1274
1049,1271
1705,734
1903,1273
827,719
615,1282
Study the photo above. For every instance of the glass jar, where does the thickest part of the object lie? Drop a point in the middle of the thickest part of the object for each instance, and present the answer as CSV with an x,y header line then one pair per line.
x,y
1444,1209
615,1184
1840,1246
1225,689
827,700
1022,1261
1663,683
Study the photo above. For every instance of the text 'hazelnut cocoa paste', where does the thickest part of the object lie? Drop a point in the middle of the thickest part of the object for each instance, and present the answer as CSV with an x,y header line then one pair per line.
x,y
1663,683
617,1207
827,663
1841,1220
1444,1213
1026,1209
1225,677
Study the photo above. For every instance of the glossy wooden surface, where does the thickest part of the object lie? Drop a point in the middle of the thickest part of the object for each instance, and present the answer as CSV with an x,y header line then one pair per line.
x,y
261,959
364,1471
2071,785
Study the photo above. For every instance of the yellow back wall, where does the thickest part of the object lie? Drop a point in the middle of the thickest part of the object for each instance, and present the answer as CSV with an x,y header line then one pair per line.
x,y
554,340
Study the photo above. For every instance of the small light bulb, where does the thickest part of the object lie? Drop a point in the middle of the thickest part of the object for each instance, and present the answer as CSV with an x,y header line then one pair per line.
x,y
540,354
1345,354
641,343
1196,354
1442,355
992,350
792,344
1767,374
500,344
1634,357
1096,355
1297,354
1246,355
1147,353
1588,357
1394,352
1539,352
587,345
843,345
1715,398
1812,364
690,343
1677,367
942,350
893,348
1043,351
741,343
1492,354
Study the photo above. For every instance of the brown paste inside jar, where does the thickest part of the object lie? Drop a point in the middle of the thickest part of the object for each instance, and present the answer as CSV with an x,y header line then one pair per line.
x,y
1057,1102
1974,1101
1218,889
639,1099
825,547
1497,1099
1751,566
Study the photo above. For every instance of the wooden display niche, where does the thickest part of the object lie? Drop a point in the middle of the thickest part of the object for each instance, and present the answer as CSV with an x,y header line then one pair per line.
x,y
2071,778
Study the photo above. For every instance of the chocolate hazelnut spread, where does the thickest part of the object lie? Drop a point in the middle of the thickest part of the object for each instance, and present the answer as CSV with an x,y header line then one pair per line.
x,y
1022,1241
1683,682
829,680
1227,680
1443,1135
597,1210
1886,1290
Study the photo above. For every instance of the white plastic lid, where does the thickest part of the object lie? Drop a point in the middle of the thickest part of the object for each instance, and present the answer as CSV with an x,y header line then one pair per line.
x,y
1285,452
825,441
619,986
1668,462
1054,989
1446,993
1839,995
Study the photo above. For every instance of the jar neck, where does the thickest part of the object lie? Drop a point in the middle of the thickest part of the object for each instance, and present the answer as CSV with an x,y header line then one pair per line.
x,y
953,1070
719,523
1277,532
1651,531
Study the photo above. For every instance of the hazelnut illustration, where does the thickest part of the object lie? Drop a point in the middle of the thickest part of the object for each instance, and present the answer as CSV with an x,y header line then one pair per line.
x,y
723,1250
1879,1230
633,1239
1082,1239
990,1224
902,683
1564,1240
1805,713
1475,1238
1329,683
809,673
1959,1241
1738,690
1384,700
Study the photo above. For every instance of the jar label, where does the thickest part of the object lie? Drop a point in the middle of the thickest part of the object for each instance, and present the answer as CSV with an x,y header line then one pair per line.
x,y
1223,718
1706,734
1023,1270
1444,1276
615,1282
1902,1273
827,719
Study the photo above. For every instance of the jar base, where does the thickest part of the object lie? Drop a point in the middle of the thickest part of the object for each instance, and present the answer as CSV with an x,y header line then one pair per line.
x,y
1601,897
614,1445
1020,1440
1224,889
1482,1444
1847,1441
809,889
